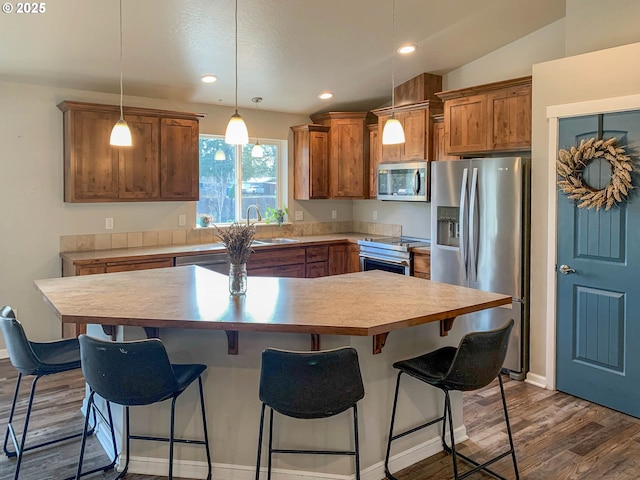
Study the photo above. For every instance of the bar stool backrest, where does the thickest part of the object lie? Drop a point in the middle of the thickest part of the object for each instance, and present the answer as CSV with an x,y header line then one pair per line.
x,y
128,373
21,354
310,384
479,359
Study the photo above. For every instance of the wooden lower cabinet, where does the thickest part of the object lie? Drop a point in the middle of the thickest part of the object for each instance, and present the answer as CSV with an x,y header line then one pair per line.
x,y
290,271
338,259
422,265
353,260
278,262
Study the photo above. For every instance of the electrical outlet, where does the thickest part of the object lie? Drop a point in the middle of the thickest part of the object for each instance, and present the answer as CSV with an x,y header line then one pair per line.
x,y
375,214
334,214
299,215
108,223
182,220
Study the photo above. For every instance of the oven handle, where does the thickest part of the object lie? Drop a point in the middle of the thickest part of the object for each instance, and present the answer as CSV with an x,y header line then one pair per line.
x,y
404,263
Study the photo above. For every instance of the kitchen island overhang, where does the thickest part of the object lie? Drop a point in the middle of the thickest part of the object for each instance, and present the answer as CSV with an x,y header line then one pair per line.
x,y
188,306
372,303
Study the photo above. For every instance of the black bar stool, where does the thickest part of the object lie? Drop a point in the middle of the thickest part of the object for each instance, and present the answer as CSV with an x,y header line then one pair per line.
x,y
309,385
38,359
473,365
138,373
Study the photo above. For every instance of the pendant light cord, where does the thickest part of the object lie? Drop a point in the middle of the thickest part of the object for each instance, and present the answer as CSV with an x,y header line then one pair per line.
x,y
393,55
236,20
121,111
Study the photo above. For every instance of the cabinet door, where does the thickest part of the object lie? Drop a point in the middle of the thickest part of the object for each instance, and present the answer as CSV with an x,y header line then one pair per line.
x,y
388,153
179,159
139,265
319,164
347,161
139,164
354,258
317,269
422,265
338,259
509,113
290,271
439,143
374,159
465,125
414,123
91,164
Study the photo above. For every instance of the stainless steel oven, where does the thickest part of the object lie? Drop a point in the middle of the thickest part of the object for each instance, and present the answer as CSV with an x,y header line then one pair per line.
x,y
391,254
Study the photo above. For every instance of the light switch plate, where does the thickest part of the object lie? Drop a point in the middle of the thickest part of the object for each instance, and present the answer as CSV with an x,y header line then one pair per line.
x,y
108,223
299,215
182,220
375,214
334,214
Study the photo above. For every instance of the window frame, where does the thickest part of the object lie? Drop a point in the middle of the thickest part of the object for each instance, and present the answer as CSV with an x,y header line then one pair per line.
x,y
281,174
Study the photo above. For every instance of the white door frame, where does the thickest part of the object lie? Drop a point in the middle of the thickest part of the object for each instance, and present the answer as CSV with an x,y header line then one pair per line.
x,y
554,113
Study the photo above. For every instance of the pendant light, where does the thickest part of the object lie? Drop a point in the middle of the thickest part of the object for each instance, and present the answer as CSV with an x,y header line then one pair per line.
x,y
219,155
236,133
392,133
257,151
120,134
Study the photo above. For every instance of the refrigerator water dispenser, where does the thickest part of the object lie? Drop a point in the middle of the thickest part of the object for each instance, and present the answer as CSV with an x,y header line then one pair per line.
x,y
448,233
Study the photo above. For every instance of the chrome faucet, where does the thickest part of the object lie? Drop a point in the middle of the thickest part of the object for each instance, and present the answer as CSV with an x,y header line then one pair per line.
x,y
257,213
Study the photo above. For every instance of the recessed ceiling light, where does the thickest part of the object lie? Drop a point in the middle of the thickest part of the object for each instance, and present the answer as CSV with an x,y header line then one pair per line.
x,y
407,49
325,96
209,79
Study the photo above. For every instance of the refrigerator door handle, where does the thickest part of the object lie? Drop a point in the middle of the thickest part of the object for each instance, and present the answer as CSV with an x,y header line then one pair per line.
x,y
463,222
474,228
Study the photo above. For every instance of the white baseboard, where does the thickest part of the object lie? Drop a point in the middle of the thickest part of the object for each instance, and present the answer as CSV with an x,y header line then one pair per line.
x,y
537,380
222,471
4,353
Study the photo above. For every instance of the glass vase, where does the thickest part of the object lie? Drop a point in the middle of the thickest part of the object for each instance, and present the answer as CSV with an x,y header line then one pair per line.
x,y
237,278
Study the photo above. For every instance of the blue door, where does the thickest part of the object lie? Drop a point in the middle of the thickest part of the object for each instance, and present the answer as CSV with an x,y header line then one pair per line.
x,y
598,278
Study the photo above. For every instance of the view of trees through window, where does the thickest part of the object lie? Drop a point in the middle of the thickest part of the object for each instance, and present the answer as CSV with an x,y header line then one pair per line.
x,y
231,180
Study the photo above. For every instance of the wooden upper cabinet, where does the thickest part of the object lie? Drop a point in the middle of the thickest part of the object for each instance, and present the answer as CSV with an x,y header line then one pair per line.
x,y
465,125
438,140
162,163
179,159
348,153
310,162
509,113
488,118
416,123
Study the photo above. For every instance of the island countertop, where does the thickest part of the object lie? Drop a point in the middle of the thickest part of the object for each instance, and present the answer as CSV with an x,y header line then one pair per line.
x,y
371,303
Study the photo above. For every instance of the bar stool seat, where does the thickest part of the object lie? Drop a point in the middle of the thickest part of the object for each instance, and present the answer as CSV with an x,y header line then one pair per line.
x,y
473,365
138,373
309,385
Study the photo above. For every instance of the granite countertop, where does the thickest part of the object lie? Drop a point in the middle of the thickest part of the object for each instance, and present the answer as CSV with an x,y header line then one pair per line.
x,y
123,254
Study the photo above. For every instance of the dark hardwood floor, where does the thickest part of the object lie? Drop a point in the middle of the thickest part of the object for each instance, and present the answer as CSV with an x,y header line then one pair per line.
x,y
557,437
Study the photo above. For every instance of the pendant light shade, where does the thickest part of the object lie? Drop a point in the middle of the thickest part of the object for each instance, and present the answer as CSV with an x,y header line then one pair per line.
x,y
257,151
392,132
219,155
120,134
236,133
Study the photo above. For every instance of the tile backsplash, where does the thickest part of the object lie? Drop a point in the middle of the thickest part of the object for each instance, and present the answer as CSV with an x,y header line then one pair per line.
x,y
194,236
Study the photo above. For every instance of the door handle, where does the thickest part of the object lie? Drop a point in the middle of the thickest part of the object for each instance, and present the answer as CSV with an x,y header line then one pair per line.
x,y
566,269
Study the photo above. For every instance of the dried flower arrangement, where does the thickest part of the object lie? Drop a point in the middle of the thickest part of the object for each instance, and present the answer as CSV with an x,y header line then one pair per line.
x,y
571,163
237,239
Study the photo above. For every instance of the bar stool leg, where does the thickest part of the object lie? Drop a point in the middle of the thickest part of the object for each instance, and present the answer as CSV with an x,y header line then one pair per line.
x,y
204,426
356,442
171,436
270,443
9,424
506,419
260,430
452,449
393,418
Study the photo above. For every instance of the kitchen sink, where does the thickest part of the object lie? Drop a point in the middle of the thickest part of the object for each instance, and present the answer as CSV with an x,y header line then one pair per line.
x,y
272,241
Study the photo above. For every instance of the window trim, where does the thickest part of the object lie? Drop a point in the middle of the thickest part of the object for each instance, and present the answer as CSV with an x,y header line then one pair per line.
x,y
281,174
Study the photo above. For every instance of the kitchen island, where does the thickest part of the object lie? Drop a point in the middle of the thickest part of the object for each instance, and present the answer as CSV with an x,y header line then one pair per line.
x,y
187,307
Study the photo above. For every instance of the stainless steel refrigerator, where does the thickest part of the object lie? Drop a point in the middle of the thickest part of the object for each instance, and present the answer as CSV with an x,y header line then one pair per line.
x,y
480,239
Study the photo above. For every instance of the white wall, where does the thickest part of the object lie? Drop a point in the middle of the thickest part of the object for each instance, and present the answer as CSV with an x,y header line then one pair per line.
x,y
34,215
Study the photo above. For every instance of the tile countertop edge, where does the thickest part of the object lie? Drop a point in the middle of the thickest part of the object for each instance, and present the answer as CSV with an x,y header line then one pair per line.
x,y
141,253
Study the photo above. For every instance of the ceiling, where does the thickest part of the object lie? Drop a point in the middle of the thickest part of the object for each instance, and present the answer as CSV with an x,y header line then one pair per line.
x,y
288,50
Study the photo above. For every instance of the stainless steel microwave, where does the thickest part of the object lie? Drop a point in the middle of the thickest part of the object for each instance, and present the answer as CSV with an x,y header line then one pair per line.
x,y
407,182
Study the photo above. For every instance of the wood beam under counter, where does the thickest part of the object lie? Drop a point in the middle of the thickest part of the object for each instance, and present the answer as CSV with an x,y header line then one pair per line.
x,y
190,307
